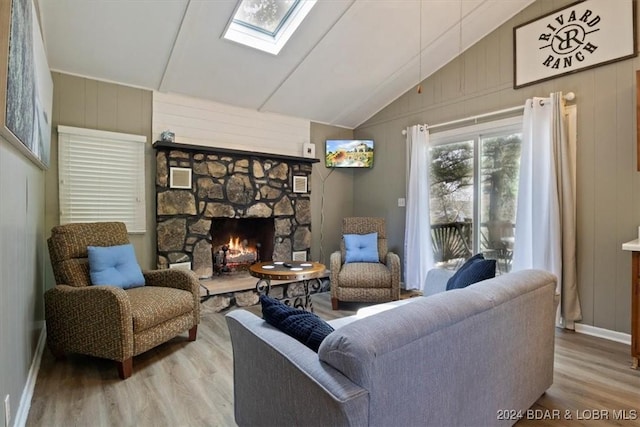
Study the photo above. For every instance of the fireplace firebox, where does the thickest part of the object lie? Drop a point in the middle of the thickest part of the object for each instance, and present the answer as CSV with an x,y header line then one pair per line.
x,y
236,243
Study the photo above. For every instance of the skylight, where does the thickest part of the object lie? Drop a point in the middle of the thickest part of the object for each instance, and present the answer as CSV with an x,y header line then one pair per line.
x,y
267,24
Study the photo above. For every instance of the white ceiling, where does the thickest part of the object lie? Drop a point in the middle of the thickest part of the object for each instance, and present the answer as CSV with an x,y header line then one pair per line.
x,y
347,61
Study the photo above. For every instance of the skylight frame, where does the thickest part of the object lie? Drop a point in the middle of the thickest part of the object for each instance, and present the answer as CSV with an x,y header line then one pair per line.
x,y
295,4
264,40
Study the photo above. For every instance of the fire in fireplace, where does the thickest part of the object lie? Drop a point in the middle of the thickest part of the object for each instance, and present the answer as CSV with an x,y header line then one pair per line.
x,y
239,242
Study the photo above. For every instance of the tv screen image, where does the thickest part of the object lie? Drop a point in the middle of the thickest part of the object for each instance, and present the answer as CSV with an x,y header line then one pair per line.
x,y
349,153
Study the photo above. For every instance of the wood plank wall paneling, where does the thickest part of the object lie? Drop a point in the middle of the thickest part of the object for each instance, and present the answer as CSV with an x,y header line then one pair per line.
x,y
93,104
608,187
22,254
201,122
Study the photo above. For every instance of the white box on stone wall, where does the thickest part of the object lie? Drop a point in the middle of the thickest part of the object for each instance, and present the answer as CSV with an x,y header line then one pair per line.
x,y
299,255
309,150
181,265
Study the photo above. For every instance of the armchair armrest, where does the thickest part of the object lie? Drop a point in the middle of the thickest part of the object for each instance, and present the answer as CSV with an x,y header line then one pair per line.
x,y
392,261
173,278
93,320
185,280
335,263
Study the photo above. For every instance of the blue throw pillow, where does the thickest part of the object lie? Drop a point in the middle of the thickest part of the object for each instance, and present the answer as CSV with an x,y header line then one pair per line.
x,y
114,266
361,247
474,270
302,325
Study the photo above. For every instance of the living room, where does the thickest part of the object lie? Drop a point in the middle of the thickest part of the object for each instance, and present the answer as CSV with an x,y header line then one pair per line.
x,y
478,80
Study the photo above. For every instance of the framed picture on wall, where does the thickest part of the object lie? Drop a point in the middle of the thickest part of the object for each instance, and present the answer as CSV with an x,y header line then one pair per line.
x,y
26,87
583,35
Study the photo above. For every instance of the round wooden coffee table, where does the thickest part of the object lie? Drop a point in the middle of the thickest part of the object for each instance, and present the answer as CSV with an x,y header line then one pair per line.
x,y
293,271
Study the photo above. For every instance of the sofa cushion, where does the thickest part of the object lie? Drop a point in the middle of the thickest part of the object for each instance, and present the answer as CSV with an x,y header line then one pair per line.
x,y
153,305
114,266
474,270
361,247
302,325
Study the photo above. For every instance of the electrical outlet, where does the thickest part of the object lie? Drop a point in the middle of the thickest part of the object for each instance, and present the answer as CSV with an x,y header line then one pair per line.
x,y
402,202
7,410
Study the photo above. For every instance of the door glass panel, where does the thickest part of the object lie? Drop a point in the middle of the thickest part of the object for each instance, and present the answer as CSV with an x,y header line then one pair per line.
x,y
500,167
451,202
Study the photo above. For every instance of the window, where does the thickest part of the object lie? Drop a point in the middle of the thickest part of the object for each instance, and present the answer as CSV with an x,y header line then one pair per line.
x,y
101,177
267,25
473,192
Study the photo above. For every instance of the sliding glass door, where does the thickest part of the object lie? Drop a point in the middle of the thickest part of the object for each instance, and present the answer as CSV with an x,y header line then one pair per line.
x,y
473,192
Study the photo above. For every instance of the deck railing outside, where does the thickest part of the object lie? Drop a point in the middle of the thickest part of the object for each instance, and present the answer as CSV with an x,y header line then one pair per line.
x,y
453,243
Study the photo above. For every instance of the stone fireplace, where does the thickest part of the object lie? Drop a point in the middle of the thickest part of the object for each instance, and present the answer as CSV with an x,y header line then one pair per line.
x,y
193,223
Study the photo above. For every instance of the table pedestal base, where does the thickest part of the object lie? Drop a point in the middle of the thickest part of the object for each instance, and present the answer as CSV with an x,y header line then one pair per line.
x,y
302,302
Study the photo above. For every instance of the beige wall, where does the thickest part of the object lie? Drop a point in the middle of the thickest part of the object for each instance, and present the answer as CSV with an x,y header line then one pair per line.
x,y
376,191
331,195
608,199
22,255
91,104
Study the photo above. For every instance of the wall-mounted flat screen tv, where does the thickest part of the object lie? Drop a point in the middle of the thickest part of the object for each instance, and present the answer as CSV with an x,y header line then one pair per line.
x,y
349,153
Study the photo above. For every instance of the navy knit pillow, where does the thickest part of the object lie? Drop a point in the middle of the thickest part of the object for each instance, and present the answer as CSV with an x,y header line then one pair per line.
x,y
302,325
453,279
474,270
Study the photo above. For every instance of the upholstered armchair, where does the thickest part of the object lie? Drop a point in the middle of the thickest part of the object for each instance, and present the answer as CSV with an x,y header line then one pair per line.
x,y
108,321
376,280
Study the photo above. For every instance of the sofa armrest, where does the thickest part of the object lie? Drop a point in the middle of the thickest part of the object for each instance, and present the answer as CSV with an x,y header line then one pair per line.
x,y
93,320
267,362
335,263
436,282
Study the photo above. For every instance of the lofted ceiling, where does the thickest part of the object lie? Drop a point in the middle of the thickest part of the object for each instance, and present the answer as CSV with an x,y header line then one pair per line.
x,y
347,61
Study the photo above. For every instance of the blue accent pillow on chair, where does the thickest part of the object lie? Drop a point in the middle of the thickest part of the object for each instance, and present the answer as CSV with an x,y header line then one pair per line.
x,y
475,269
302,325
361,247
114,266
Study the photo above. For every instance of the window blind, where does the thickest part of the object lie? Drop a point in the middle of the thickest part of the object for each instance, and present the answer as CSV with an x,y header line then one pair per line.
x,y
101,177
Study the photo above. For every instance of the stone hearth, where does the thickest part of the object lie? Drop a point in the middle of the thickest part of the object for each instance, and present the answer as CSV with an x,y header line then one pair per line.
x,y
227,184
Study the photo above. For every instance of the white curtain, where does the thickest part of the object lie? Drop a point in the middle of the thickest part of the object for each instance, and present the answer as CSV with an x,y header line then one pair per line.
x,y
418,253
545,219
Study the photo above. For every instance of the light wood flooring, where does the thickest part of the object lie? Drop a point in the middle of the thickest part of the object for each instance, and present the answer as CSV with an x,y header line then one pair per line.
x,y
190,384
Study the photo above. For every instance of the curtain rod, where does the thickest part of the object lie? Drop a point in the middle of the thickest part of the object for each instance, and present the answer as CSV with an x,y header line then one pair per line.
x,y
570,96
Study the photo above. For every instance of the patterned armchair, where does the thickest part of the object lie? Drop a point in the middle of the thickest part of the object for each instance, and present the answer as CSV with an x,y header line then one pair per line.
x,y
107,321
365,281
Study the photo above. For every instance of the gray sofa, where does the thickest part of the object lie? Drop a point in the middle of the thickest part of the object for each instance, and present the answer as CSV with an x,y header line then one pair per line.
x,y
456,358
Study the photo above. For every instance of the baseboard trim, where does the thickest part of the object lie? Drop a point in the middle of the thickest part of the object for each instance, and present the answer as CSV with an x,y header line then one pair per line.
x,y
27,393
604,333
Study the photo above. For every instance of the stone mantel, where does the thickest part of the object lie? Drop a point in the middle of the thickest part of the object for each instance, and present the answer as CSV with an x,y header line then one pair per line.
x,y
231,152
227,184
